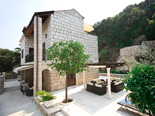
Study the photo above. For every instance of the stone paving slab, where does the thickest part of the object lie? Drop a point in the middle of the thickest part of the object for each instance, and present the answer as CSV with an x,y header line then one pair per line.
x,y
14,103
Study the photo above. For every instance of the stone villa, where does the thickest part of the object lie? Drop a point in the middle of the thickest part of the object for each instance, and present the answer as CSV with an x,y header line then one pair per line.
x,y
44,29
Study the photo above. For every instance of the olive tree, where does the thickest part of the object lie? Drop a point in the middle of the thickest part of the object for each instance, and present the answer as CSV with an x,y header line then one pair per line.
x,y
142,85
67,57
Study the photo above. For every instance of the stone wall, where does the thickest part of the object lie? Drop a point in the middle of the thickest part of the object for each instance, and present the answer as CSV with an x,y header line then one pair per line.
x,y
29,43
58,82
68,25
129,51
112,75
89,75
1,84
29,76
149,43
22,74
23,48
133,50
11,76
46,29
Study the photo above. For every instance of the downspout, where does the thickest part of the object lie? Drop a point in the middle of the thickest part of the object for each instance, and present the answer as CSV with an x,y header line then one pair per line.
x,y
37,56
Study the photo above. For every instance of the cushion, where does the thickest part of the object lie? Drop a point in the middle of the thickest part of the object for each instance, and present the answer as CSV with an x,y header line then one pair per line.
x,y
115,82
118,79
97,85
118,83
99,81
24,84
112,78
90,83
31,88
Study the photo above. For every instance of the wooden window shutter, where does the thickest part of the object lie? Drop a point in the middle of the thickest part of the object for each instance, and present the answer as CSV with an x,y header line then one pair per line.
x,y
44,51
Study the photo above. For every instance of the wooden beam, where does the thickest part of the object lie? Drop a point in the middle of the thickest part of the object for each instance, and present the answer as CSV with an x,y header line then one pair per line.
x,y
29,32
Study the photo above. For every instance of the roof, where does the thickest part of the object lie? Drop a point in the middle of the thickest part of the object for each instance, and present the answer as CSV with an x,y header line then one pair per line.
x,y
27,30
88,28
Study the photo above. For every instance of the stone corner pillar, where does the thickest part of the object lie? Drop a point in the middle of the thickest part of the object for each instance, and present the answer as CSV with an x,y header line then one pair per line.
x,y
37,54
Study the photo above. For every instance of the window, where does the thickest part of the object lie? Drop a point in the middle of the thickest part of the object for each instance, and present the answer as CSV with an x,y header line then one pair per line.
x,y
31,50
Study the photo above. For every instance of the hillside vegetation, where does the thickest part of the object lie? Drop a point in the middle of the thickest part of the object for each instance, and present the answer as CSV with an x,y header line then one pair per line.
x,y
120,31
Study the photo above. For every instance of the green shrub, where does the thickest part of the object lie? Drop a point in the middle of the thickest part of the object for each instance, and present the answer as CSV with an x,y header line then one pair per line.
x,y
48,97
141,82
41,93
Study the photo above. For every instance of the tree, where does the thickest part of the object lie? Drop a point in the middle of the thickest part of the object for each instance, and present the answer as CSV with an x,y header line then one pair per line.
x,y
142,85
68,58
9,59
18,49
121,30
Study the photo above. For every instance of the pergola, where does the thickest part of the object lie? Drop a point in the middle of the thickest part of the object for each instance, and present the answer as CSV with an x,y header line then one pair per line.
x,y
108,66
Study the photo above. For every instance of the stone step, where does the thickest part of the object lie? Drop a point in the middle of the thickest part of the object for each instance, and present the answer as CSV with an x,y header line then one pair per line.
x,y
59,114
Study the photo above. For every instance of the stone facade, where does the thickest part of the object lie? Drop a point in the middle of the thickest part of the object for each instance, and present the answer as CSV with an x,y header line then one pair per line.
x,y
1,84
59,26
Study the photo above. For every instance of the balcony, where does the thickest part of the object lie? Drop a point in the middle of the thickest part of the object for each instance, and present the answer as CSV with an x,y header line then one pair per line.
x,y
29,57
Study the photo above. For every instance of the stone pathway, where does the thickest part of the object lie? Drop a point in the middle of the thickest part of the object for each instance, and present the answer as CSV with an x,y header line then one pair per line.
x,y
14,103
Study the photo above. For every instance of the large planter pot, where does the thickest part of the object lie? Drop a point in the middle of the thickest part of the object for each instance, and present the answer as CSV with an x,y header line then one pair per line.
x,y
50,103
70,101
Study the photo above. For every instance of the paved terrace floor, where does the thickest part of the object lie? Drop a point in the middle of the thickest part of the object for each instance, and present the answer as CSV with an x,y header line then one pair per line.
x,y
14,103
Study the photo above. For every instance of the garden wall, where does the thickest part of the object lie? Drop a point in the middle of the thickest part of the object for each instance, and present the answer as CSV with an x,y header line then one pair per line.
x,y
1,84
112,75
11,76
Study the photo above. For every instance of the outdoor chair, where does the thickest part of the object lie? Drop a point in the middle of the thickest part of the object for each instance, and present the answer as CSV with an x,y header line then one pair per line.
x,y
24,87
90,87
29,92
117,86
21,87
99,89
98,81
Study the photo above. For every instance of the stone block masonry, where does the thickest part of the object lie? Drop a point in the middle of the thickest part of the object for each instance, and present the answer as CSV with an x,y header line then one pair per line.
x,y
63,25
68,25
1,84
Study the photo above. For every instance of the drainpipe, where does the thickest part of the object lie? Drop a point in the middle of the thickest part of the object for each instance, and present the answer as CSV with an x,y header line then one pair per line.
x,y
37,56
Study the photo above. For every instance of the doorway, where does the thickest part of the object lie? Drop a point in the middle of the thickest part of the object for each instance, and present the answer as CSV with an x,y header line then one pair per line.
x,y
71,80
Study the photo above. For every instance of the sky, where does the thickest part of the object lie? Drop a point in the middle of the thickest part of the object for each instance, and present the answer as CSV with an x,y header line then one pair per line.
x,y
15,14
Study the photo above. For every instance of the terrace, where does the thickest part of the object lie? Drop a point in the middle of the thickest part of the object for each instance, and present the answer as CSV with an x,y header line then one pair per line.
x,y
85,103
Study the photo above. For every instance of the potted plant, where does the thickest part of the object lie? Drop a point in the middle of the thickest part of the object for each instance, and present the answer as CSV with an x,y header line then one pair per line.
x,y
39,94
49,100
